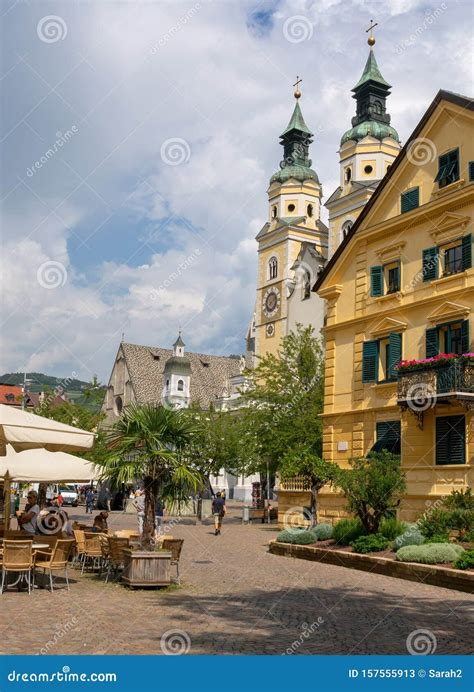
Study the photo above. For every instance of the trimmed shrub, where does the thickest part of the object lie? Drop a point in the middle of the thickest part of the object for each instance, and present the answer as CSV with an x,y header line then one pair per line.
x,y
461,520
465,561
369,544
430,554
412,536
347,530
298,537
391,528
321,532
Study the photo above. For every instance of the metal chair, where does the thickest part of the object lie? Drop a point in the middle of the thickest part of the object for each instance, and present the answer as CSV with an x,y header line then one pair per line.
x,y
174,545
18,557
55,562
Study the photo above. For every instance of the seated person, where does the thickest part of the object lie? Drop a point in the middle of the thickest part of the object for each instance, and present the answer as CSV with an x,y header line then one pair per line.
x,y
27,520
100,522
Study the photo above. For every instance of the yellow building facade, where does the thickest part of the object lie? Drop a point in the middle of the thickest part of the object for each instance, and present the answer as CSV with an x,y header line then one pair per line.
x,y
401,287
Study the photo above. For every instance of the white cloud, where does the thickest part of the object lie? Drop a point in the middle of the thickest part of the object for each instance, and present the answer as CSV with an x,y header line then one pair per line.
x,y
133,75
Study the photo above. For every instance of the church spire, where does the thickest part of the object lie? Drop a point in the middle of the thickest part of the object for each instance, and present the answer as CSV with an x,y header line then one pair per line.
x,y
295,140
370,93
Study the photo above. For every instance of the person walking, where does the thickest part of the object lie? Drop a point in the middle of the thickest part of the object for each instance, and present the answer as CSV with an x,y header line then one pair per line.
x,y
218,510
89,500
139,504
159,514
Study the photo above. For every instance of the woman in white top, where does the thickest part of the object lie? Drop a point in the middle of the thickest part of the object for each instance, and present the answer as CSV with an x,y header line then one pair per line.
x,y
27,520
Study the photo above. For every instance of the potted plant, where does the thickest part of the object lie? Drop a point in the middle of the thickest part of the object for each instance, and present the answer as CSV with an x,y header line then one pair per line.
x,y
149,442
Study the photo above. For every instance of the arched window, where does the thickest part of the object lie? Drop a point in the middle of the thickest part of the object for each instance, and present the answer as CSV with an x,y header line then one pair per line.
x,y
274,212
346,227
167,384
347,174
180,385
272,268
306,285
310,210
118,405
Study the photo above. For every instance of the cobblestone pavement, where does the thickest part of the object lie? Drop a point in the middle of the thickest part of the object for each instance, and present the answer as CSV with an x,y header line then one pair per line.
x,y
236,598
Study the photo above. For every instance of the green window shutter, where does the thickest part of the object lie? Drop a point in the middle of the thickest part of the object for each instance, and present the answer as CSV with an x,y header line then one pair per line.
x,y
465,336
370,361
397,277
451,440
395,354
467,252
430,263
376,281
432,342
410,200
471,170
388,436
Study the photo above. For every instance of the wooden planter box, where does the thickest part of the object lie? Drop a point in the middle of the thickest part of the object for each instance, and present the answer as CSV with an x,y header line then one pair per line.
x,y
144,568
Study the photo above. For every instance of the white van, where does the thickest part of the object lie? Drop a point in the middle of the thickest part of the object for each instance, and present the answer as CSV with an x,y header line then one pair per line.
x,y
68,492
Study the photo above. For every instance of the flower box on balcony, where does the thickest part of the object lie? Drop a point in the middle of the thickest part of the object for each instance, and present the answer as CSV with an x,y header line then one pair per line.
x,y
439,361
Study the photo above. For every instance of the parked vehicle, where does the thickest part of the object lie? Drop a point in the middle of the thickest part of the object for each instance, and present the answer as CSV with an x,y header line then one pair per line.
x,y
68,492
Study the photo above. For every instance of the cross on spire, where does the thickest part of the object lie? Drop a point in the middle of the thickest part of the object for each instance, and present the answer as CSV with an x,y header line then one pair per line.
x,y
371,39
297,84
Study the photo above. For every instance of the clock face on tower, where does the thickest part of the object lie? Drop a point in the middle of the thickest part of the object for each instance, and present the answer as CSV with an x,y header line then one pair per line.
x,y
271,302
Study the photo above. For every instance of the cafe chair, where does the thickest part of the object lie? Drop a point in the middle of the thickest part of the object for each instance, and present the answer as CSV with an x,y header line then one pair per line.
x,y
56,561
18,557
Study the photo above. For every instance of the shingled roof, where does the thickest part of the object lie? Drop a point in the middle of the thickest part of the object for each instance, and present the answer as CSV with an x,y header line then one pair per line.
x,y
209,374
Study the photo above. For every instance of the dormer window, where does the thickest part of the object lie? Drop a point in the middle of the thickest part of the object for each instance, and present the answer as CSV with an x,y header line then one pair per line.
x,y
180,385
272,268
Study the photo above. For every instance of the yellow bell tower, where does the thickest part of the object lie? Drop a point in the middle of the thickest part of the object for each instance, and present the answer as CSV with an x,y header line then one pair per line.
x,y
294,200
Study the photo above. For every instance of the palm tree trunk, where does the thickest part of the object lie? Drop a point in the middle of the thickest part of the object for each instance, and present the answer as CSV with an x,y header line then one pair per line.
x,y
149,520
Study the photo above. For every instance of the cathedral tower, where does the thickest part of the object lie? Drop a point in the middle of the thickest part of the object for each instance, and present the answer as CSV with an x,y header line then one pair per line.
x,y
367,150
294,200
177,378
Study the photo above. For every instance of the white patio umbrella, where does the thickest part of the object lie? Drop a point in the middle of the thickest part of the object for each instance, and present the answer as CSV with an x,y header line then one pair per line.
x,y
43,466
24,430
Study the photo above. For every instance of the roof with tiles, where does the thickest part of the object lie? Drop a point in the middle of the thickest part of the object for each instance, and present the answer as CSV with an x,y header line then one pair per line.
x,y
209,374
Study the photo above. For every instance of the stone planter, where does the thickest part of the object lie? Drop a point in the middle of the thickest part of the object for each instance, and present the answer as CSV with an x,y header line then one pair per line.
x,y
144,568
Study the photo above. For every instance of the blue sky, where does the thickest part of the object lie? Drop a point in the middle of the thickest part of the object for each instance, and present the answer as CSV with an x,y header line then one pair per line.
x,y
143,219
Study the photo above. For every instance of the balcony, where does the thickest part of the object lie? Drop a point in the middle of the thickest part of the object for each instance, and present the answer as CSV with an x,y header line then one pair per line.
x,y
420,389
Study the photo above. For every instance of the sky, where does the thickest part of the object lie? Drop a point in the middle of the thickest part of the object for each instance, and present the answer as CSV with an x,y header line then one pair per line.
x,y
138,139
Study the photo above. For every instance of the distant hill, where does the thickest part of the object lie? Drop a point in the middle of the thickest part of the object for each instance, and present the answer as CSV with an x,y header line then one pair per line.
x,y
39,382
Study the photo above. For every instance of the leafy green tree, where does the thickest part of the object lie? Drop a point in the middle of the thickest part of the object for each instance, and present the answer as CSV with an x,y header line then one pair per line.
x,y
312,469
150,442
285,399
373,487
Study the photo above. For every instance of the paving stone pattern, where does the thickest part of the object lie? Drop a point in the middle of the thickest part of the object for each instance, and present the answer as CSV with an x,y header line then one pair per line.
x,y
236,598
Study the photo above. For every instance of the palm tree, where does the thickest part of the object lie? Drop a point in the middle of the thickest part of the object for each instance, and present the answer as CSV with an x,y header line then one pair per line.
x,y
149,442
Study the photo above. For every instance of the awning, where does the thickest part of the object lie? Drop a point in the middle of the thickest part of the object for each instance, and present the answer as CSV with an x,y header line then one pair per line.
x,y
43,466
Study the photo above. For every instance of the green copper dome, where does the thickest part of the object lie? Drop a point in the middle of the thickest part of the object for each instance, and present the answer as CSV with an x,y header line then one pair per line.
x,y
300,173
373,128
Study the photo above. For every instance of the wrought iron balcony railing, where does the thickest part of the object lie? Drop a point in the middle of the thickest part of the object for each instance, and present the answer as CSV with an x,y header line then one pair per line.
x,y
425,388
